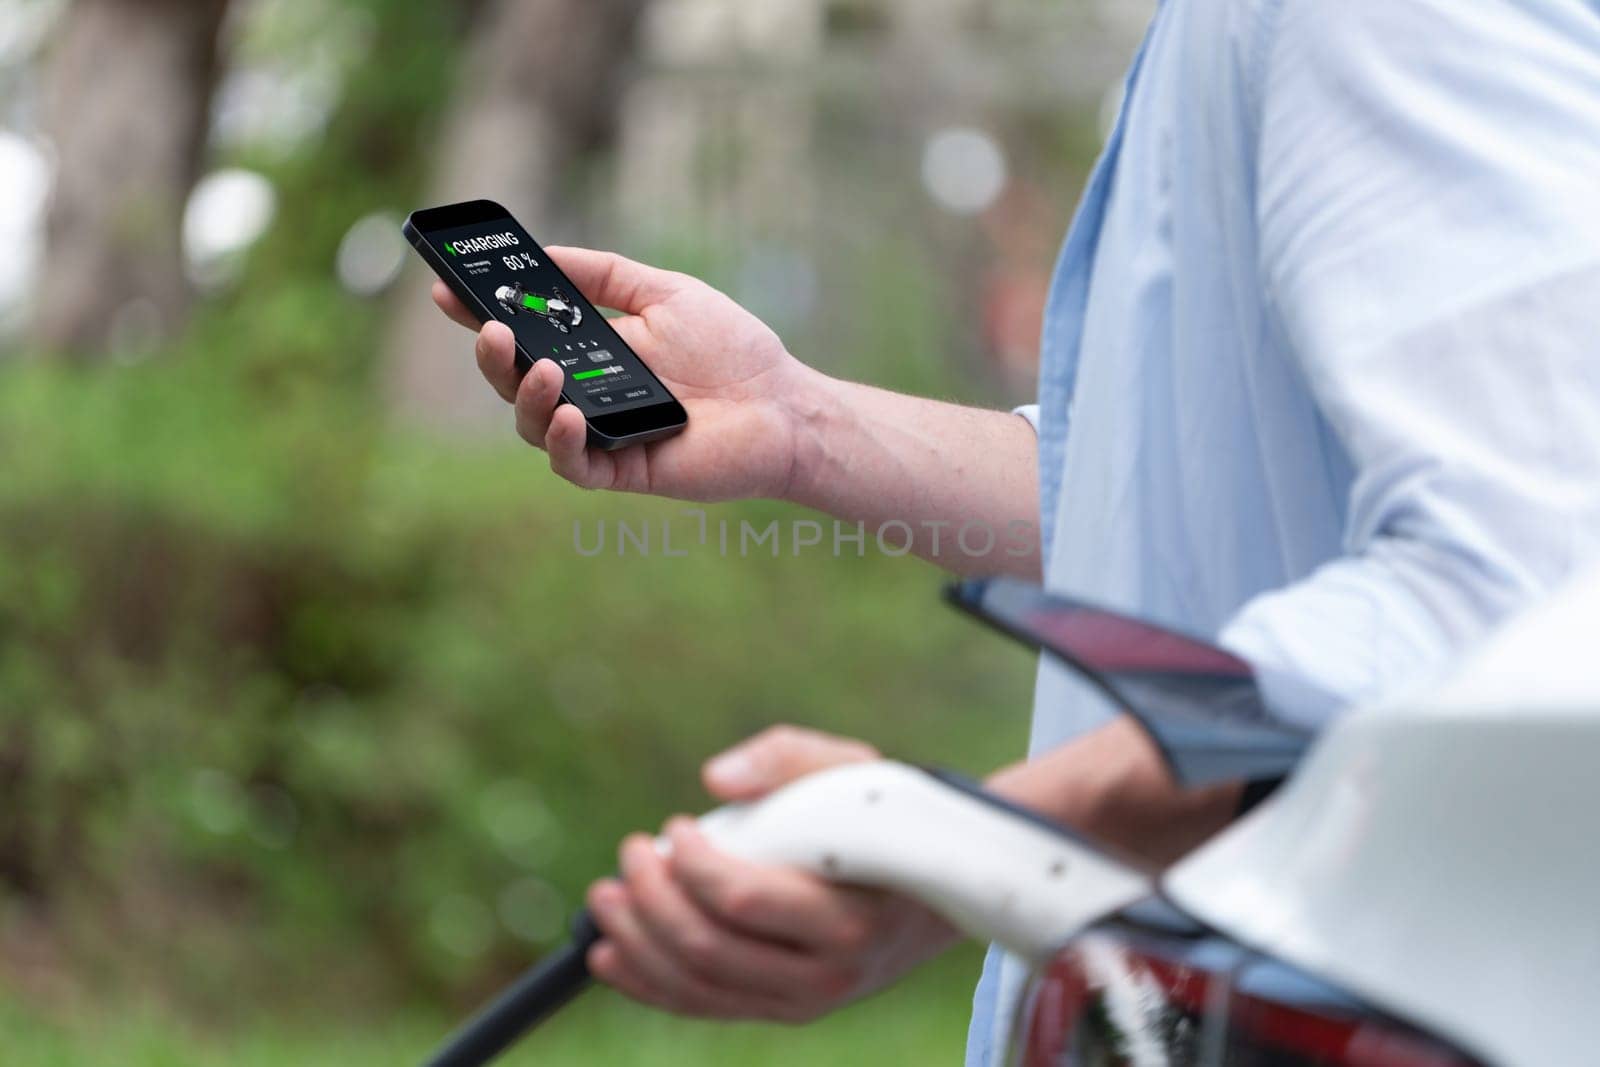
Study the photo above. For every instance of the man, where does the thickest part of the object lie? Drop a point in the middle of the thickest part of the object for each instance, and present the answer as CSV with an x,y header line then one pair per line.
x,y
1320,375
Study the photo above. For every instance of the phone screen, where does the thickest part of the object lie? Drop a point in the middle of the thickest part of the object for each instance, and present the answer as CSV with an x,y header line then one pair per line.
x,y
499,264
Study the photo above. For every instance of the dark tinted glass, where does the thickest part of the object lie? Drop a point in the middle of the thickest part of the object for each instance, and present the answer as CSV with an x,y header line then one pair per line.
x,y
1199,702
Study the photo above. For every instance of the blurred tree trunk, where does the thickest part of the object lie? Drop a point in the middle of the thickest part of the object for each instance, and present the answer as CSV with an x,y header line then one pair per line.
x,y
539,88
129,95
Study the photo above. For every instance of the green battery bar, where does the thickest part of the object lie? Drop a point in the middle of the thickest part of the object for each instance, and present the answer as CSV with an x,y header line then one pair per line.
x,y
536,303
581,375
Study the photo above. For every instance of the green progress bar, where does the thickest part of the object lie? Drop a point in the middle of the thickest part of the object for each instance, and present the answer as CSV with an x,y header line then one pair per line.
x,y
536,303
581,375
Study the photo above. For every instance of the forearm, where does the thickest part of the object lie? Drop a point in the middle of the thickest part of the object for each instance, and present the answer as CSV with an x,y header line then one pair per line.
x,y
1112,784
957,485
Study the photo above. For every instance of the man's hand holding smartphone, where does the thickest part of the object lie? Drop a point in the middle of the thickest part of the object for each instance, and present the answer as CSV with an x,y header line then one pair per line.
x,y
747,398
690,396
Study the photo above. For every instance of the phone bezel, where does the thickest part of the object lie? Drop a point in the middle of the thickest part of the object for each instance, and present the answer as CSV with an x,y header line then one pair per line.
x,y
607,431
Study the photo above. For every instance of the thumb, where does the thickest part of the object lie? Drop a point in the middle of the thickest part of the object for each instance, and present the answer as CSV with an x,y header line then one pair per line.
x,y
613,281
777,756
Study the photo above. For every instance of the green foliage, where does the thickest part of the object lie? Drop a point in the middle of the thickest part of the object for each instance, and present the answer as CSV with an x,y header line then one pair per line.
x,y
303,715
375,153
922,1020
298,702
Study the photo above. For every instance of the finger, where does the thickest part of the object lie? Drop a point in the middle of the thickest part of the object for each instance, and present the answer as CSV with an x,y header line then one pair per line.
x,y
607,965
722,957
613,281
641,968
452,306
496,350
570,455
777,756
613,914
772,902
536,398
633,330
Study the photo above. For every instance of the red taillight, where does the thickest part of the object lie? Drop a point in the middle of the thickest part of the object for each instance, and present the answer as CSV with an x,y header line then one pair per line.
x,y
1105,1003
1309,1037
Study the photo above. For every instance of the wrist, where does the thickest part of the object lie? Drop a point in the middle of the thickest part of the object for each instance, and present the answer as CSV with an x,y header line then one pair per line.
x,y
1088,783
1113,785
812,404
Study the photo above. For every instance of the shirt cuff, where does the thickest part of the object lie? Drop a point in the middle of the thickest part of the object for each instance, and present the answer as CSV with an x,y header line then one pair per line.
x,y
1029,412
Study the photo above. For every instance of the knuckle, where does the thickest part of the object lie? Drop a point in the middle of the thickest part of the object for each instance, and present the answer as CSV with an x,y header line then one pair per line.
x,y
860,750
608,274
604,969
575,479
563,469
625,846
838,981
781,734
636,855
853,936
699,949
742,903
528,428
530,424
693,999
669,1001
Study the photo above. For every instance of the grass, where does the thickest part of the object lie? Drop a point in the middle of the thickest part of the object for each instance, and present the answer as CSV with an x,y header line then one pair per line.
x,y
923,1020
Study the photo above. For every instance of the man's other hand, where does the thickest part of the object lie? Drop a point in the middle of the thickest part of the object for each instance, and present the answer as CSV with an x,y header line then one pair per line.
x,y
705,934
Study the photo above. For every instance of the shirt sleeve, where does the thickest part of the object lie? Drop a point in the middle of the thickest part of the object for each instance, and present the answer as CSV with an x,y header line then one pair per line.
x,y
1029,412
1430,247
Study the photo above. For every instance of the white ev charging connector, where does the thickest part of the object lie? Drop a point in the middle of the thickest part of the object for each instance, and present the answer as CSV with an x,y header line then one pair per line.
x,y
995,871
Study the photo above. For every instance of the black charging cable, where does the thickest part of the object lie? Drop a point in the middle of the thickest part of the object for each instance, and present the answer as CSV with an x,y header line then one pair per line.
x,y
541,991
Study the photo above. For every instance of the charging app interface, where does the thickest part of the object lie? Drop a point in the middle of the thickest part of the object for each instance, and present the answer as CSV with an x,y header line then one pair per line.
x,y
500,263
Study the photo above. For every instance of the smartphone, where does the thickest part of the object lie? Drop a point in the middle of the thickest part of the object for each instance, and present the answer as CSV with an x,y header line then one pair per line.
x,y
1200,704
499,272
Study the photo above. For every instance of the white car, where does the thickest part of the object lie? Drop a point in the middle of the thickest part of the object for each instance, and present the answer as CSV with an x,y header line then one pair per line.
x,y
1422,891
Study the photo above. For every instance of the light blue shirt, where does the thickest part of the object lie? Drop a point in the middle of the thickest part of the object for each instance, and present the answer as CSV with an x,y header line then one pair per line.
x,y
1321,370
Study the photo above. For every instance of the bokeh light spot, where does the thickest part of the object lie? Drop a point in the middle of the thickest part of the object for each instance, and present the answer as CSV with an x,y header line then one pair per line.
x,y
964,170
